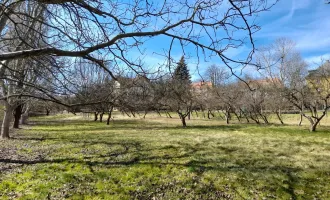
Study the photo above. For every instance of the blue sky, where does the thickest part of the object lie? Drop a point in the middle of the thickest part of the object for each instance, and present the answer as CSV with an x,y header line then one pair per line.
x,y
307,22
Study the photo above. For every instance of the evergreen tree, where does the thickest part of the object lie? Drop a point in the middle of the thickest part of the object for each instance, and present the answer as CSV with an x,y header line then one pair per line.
x,y
180,95
181,72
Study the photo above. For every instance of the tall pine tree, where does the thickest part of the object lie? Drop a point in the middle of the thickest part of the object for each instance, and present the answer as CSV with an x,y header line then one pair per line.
x,y
181,73
181,91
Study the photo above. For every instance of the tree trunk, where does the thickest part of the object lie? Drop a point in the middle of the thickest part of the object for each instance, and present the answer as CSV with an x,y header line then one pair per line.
x,y
227,116
183,119
101,116
189,115
238,117
313,126
109,115
279,116
47,111
145,114
169,115
264,117
6,121
300,120
17,116
211,113
95,116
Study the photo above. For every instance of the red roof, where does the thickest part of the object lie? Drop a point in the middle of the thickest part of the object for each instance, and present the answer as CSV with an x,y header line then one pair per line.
x,y
201,84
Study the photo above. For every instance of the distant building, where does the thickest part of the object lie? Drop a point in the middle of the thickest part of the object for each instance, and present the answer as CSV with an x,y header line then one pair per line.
x,y
201,85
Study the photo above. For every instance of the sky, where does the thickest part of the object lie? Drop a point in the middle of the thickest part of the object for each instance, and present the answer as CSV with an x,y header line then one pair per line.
x,y
306,22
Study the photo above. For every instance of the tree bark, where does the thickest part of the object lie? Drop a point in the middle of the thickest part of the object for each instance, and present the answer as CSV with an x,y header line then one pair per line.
x,y
168,114
238,117
227,116
47,111
183,119
95,116
6,121
300,120
312,127
278,114
109,115
101,116
17,115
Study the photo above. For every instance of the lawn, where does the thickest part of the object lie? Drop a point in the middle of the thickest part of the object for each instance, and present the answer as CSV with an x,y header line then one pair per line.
x,y
71,157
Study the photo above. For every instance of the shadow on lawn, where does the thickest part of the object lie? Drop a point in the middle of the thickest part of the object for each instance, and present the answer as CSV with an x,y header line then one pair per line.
x,y
179,154
139,155
199,167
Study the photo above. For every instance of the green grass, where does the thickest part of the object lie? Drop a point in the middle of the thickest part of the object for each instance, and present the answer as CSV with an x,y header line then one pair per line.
x,y
66,156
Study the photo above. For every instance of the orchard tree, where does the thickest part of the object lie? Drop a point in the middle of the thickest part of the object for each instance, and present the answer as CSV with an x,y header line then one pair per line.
x,y
307,91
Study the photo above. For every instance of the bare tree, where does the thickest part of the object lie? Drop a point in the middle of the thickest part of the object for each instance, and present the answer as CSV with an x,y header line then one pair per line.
x,y
72,26
308,94
104,32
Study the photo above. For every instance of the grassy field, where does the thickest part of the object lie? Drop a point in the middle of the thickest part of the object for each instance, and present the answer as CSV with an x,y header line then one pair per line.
x,y
67,156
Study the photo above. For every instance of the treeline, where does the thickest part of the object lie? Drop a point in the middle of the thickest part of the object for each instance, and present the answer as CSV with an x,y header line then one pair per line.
x,y
283,84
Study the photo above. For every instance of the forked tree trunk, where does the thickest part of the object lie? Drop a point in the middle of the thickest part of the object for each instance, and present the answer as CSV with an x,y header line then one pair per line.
x,y
6,121
183,119
17,116
315,121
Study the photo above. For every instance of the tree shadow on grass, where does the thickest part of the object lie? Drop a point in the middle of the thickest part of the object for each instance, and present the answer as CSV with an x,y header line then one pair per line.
x,y
139,155
179,154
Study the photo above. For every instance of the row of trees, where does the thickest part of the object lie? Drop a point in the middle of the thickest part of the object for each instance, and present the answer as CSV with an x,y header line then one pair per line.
x,y
51,49
283,85
42,43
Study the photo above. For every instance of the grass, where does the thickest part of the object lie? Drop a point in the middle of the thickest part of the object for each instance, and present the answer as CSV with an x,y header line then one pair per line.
x,y
67,156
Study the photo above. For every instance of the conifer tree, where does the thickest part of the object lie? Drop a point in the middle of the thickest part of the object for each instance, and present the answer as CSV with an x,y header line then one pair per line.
x,y
181,91
181,72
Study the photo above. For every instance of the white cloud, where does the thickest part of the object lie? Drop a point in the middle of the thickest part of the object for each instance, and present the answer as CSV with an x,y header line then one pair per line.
x,y
315,61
